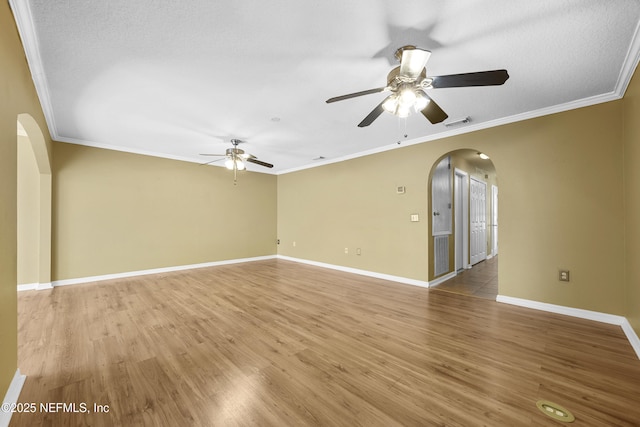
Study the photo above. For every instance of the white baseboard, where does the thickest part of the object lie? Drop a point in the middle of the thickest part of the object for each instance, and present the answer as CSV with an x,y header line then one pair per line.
x,y
89,279
568,311
436,282
368,273
560,309
27,287
35,287
11,397
611,319
631,336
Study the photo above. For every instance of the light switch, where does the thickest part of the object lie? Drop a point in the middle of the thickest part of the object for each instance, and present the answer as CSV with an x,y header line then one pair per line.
x,y
415,218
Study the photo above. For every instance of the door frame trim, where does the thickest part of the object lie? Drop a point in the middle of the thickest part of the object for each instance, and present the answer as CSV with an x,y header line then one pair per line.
x,y
465,219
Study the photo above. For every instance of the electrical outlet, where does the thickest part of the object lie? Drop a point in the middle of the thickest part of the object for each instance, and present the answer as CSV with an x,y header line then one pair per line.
x,y
564,276
346,250
358,251
294,243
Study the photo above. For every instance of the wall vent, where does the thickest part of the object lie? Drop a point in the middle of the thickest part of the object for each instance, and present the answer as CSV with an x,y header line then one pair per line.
x,y
441,255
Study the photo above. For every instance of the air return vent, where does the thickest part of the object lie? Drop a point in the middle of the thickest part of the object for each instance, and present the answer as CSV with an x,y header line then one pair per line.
x,y
441,255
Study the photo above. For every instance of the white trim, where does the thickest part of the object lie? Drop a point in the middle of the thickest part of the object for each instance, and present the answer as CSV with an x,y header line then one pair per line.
x,y
585,102
439,280
132,150
383,276
494,219
35,287
464,209
573,105
26,29
596,316
11,397
27,287
23,16
79,280
630,64
631,336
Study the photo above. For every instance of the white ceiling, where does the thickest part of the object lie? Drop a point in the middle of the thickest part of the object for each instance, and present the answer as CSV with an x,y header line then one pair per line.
x,y
175,79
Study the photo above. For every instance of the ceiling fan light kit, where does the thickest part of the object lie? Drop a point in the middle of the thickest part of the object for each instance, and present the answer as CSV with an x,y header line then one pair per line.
x,y
408,83
232,164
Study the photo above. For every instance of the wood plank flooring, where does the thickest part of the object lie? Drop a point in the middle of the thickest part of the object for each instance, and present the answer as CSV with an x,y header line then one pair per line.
x,y
479,281
275,343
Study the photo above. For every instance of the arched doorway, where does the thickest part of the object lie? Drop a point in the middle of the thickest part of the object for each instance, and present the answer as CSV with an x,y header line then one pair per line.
x,y
34,206
463,225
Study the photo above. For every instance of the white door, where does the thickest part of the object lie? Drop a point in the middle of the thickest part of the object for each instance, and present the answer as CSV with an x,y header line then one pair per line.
x,y
478,221
494,220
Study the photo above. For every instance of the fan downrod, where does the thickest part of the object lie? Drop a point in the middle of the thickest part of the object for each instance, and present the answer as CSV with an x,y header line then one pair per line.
x,y
398,53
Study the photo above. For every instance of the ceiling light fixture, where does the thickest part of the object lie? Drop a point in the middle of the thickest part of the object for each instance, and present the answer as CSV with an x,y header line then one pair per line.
x,y
483,156
404,100
408,83
234,163
236,159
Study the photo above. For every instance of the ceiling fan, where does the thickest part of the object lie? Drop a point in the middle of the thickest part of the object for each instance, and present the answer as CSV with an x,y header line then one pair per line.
x,y
408,83
235,158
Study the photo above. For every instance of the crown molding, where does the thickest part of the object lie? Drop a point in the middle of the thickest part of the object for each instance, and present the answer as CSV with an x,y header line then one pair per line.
x,y
26,28
473,127
22,12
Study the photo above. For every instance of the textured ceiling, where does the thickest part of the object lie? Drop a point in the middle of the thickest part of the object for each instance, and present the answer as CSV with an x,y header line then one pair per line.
x,y
175,79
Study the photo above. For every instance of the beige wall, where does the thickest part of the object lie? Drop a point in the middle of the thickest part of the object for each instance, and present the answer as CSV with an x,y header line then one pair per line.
x,y
354,204
116,212
28,213
560,207
632,200
17,95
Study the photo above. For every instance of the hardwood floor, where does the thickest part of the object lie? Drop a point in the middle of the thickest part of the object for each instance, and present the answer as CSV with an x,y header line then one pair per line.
x,y
480,281
275,343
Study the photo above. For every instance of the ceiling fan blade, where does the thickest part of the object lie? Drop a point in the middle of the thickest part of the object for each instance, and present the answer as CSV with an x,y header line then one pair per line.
x,y
480,78
373,114
212,161
413,62
258,162
433,112
356,94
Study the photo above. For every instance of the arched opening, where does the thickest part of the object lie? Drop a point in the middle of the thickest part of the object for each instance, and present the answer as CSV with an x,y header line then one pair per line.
x,y
463,225
34,206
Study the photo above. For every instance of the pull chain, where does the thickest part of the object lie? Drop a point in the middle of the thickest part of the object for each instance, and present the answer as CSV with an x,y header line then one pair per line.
x,y
402,128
